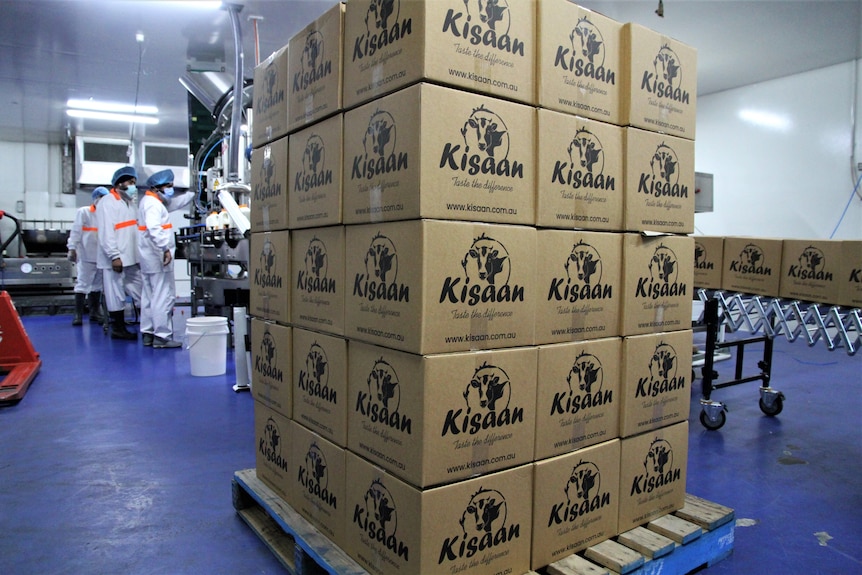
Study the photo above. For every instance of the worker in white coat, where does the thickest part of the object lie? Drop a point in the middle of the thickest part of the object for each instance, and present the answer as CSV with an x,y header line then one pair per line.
x,y
83,246
156,248
117,219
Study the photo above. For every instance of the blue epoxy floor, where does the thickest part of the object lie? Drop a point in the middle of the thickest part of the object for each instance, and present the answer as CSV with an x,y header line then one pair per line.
x,y
119,461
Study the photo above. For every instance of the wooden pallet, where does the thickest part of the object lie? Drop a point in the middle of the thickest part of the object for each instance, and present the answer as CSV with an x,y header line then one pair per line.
x,y
700,534
297,544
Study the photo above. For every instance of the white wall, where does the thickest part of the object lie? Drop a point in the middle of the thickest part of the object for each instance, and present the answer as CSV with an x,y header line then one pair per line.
x,y
791,180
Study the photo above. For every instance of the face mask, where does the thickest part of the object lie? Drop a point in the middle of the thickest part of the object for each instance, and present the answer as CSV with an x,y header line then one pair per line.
x,y
132,191
168,192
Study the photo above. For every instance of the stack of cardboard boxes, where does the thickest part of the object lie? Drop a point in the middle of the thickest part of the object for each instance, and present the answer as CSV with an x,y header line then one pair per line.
x,y
467,356
819,271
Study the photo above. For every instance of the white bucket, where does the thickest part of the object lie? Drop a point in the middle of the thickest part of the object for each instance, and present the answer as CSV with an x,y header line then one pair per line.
x,y
206,339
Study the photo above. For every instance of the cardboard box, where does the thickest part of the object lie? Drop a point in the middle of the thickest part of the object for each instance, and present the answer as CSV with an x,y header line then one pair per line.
x,y
433,152
272,365
653,468
480,526
319,482
811,270
578,399
659,82
320,393
579,61
659,183
656,381
269,276
581,173
658,283
850,288
481,48
314,68
272,441
575,501
269,102
269,187
752,266
579,279
708,261
317,297
315,172
431,286
441,418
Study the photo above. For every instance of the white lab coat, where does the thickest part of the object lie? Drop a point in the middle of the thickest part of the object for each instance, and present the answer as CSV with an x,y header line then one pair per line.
x,y
83,237
84,240
116,218
156,236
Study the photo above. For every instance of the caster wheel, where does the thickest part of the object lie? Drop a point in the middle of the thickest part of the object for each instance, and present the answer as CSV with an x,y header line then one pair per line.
x,y
712,425
774,409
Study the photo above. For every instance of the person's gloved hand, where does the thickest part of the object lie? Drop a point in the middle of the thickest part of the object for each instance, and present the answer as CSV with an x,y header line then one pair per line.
x,y
117,265
166,258
72,256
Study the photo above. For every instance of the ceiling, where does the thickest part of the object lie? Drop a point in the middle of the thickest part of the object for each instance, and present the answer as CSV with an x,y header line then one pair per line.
x,y
53,50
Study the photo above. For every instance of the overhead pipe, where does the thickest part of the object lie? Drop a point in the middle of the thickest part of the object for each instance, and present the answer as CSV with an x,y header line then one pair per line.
x,y
236,116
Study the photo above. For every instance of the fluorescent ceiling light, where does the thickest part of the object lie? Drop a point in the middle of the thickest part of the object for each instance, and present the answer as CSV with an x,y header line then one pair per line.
x,y
111,107
202,4
766,119
97,115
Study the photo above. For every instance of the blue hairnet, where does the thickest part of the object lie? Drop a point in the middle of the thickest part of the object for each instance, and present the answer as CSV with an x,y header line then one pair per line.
x,y
99,192
124,173
161,178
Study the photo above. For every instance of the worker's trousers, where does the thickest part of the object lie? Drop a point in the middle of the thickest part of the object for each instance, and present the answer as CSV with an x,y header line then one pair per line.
x,y
117,285
157,302
89,277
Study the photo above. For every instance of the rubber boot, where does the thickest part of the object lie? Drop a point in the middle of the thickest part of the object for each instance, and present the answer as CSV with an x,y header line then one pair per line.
x,y
118,327
94,301
77,319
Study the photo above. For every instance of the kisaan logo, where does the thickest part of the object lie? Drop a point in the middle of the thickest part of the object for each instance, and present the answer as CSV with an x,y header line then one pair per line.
x,y
266,187
270,443
663,177
266,362
486,23
379,282
314,277
487,271
585,165
265,275
751,260
811,266
587,54
701,258
663,377
666,78
313,173
313,65
583,278
380,155
584,495
658,469
269,96
483,527
382,400
488,397
663,275
312,475
585,381
382,28
378,518
486,147
314,377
